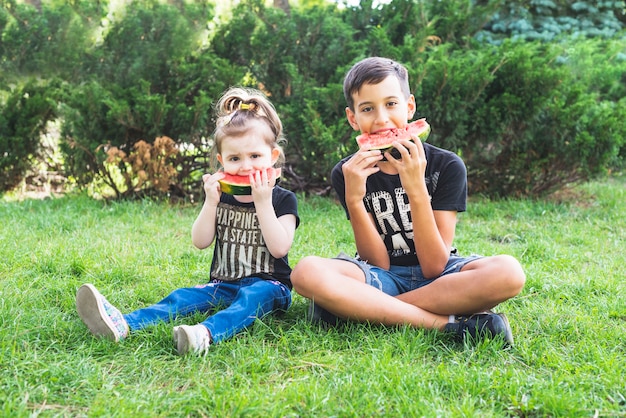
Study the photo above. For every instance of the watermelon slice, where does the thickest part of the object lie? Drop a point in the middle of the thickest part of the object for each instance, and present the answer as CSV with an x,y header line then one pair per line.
x,y
240,185
383,140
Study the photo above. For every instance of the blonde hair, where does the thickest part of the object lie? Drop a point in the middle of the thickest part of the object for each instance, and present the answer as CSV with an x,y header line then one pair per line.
x,y
239,106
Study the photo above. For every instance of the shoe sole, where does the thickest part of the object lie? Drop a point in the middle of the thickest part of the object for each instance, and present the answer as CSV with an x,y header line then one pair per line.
x,y
508,334
183,335
181,339
314,315
91,311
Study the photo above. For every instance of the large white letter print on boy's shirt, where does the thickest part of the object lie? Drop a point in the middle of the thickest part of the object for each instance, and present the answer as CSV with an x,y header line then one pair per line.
x,y
384,205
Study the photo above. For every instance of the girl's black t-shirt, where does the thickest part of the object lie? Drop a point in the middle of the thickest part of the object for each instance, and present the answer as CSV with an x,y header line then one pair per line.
x,y
240,250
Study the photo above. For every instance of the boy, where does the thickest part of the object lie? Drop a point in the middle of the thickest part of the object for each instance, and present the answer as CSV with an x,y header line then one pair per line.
x,y
403,213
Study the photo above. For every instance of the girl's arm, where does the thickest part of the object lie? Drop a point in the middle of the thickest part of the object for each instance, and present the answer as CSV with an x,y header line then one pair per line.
x,y
203,229
278,233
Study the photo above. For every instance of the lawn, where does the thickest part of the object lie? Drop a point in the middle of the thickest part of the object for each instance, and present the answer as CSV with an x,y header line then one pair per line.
x,y
569,322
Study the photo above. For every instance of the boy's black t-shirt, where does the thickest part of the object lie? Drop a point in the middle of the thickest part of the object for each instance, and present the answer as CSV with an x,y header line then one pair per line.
x,y
386,199
240,250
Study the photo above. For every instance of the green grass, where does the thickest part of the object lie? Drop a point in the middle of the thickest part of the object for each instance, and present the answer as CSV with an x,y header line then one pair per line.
x,y
569,322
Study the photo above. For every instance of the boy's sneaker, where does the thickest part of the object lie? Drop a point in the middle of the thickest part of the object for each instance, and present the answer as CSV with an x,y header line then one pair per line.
x,y
319,315
191,339
102,318
508,334
314,313
481,325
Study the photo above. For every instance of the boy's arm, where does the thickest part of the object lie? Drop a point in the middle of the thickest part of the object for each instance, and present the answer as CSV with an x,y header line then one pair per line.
x,y
430,246
369,244
433,230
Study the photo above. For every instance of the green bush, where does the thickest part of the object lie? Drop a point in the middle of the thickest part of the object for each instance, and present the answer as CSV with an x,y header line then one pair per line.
x,y
550,20
527,116
523,123
48,40
22,121
150,79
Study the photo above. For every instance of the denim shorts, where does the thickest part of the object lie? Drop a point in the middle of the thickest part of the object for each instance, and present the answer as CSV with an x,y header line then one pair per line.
x,y
402,279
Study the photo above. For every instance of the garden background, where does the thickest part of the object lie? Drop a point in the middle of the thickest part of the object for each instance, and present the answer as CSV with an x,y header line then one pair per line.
x,y
105,108
530,93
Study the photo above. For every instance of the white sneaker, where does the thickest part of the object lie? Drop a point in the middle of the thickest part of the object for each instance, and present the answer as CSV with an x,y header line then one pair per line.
x,y
102,318
194,339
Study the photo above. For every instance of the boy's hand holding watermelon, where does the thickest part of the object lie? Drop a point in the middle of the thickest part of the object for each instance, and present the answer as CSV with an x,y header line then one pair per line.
x,y
384,140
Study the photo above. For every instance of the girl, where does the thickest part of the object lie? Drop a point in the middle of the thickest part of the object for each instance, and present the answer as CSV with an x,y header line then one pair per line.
x,y
250,274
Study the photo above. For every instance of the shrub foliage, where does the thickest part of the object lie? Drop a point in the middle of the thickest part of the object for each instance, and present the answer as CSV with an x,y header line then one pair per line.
x,y
22,121
530,93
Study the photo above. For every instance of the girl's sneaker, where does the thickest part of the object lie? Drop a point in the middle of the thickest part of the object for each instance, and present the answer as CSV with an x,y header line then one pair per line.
x,y
102,318
191,339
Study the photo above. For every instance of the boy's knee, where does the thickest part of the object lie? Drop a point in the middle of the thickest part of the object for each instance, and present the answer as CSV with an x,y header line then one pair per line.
x,y
303,266
303,271
514,273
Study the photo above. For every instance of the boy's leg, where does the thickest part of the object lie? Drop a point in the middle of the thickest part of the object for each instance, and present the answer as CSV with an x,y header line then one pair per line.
x,y
339,287
479,286
255,299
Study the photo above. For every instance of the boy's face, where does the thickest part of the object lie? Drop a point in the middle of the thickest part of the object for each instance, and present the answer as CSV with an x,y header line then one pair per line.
x,y
379,107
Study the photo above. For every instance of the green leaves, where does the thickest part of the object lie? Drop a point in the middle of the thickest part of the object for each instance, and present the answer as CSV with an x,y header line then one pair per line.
x,y
22,121
482,72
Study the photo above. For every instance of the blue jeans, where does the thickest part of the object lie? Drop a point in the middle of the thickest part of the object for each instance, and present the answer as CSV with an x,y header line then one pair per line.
x,y
242,301
402,279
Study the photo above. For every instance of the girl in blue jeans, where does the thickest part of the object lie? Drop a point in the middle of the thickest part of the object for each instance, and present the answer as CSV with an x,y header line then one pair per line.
x,y
250,272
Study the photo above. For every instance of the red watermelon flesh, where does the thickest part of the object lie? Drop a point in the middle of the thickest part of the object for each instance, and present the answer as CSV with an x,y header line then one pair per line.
x,y
240,185
383,140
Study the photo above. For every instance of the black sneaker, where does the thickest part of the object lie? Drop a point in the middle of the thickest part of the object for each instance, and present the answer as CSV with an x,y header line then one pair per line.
x,y
481,325
317,314
314,313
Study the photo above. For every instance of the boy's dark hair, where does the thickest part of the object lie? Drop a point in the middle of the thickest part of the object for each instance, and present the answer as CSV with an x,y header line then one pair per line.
x,y
373,70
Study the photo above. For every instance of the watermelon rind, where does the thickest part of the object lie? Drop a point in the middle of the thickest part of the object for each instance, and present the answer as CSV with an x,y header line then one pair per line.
x,y
235,189
241,188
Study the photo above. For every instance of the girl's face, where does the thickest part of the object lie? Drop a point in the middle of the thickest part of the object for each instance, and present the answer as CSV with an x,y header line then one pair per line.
x,y
379,107
249,152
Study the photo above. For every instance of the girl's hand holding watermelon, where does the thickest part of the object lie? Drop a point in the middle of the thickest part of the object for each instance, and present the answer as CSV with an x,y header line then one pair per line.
x,y
262,182
212,187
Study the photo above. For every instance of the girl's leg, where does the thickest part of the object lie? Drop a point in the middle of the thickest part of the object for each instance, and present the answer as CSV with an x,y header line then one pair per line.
x,y
183,302
255,299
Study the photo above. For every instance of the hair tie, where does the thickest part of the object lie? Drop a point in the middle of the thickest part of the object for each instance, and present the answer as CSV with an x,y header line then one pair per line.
x,y
245,106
